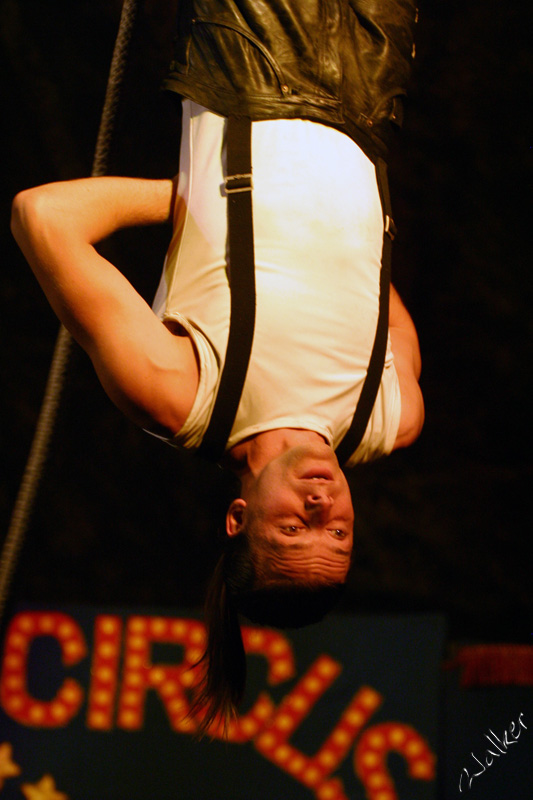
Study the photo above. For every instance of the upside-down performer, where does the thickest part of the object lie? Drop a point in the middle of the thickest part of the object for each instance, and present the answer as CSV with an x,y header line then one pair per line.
x,y
315,87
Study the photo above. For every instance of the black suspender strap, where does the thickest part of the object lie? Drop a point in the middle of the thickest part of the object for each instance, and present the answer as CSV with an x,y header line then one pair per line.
x,y
242,287
353,437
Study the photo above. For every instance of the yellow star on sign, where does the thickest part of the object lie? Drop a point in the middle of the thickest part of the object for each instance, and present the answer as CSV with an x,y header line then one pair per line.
x,y
44,790
8,768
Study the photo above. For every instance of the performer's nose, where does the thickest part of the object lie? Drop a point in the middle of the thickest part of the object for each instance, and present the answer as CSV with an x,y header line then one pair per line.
x,y
318,501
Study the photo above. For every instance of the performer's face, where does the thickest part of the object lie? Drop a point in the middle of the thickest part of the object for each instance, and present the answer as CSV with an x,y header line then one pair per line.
x,y
299,512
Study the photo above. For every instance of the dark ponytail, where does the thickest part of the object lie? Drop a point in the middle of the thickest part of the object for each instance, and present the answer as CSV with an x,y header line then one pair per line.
x,y
224,663
237,587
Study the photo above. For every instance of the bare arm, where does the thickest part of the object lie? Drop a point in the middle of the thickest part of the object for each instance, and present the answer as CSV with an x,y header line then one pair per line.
x,y
408,363
147,371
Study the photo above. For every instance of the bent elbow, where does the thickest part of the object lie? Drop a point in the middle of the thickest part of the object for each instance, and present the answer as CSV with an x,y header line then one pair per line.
x,y
412,418
27,209
418,420
17,214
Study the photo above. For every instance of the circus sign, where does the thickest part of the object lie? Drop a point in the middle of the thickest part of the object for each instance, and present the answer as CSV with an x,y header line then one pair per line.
x,y
343,710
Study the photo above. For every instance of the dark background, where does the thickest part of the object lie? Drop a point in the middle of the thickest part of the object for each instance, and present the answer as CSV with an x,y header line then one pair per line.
x,y
122,519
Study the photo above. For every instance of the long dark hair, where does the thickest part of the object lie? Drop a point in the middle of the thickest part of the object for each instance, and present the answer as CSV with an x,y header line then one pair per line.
x,y
237,587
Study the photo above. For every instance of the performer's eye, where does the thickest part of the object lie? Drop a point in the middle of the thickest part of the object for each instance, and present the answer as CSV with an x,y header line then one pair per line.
x,y
291,529
338,533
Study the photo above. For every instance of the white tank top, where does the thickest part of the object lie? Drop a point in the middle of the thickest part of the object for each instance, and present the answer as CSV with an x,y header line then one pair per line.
x,y
318,237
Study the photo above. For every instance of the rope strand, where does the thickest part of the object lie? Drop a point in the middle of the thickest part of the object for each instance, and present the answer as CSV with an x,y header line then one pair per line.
x,y
56,378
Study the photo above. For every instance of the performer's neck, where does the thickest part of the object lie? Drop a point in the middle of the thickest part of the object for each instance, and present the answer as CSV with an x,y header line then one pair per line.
x,y
249,457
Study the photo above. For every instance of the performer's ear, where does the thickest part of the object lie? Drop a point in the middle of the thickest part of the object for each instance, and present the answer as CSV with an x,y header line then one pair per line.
x,y
235,517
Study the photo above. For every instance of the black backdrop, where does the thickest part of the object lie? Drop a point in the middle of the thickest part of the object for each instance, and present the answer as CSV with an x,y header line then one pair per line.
x,y
123,519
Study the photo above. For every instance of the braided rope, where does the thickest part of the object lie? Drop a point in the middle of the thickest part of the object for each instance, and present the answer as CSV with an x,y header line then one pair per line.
x,y
56,378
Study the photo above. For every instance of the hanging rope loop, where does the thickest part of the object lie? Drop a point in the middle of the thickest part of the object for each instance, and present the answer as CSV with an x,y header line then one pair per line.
x,y
56,378
115,80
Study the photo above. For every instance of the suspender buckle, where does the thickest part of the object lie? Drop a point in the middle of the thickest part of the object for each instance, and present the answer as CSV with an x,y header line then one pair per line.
x,y
390,227
238,183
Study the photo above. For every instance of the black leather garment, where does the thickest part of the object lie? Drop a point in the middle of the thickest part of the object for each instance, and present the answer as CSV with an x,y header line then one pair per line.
x,y
344,63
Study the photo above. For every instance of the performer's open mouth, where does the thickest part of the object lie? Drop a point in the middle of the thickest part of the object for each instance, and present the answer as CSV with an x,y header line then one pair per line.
x,y
317,475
